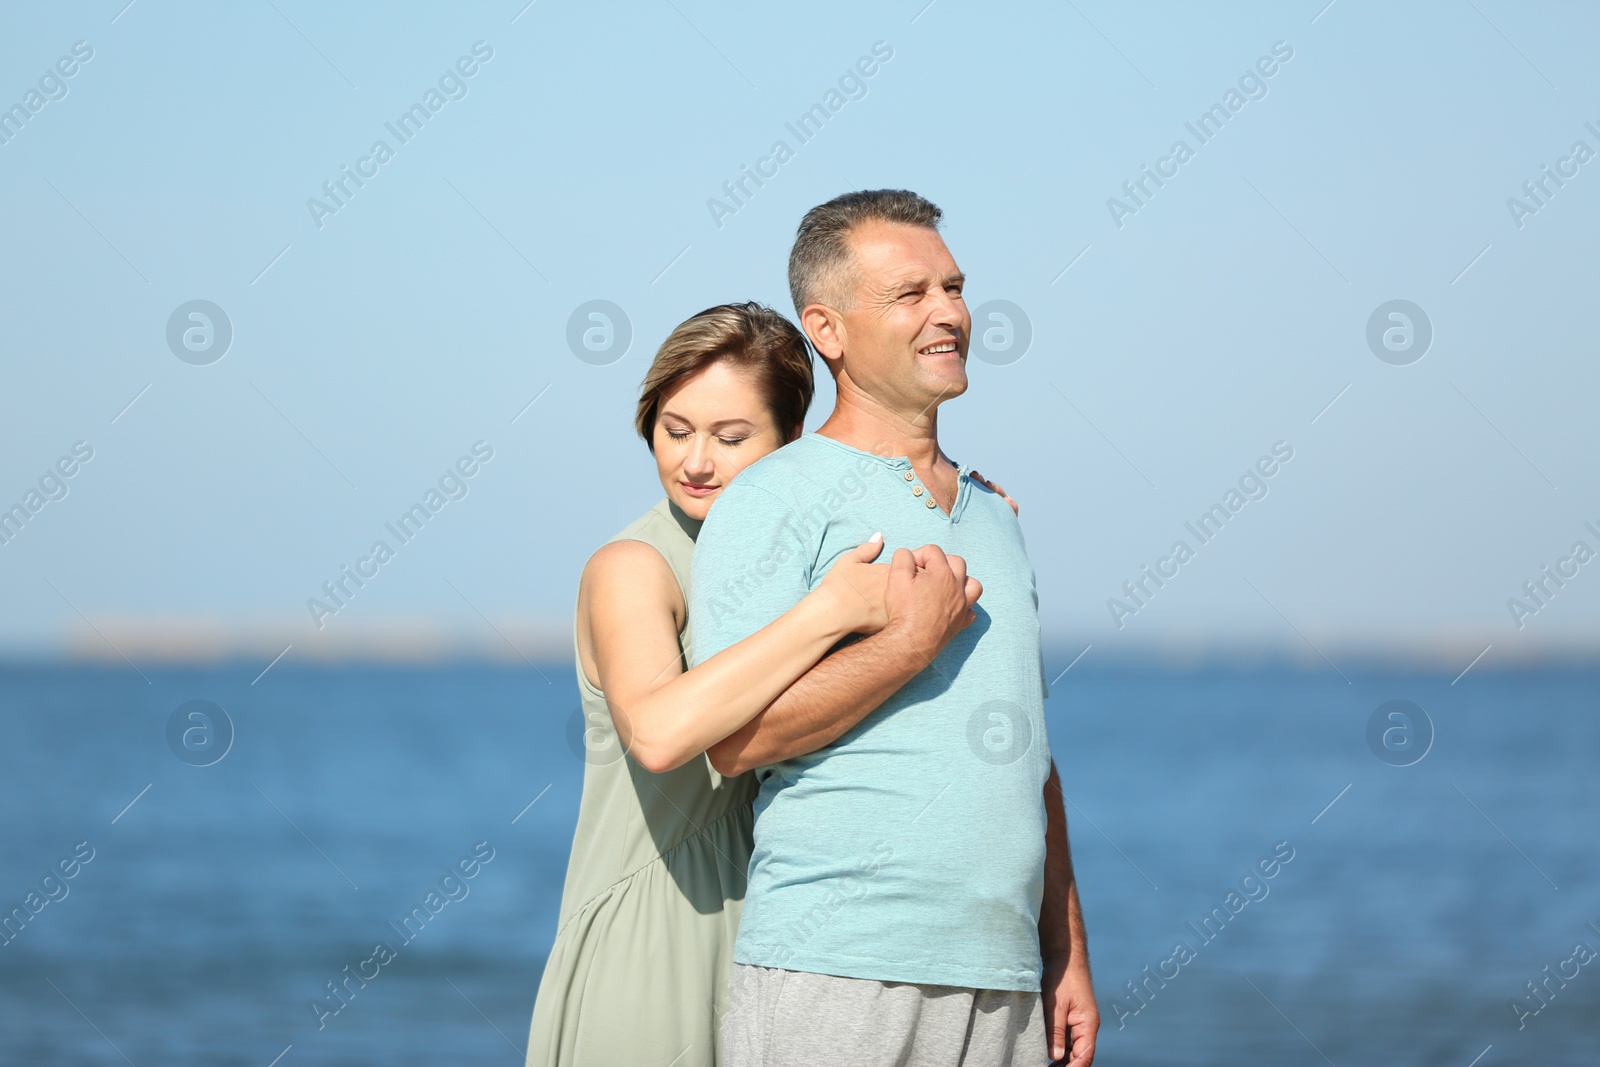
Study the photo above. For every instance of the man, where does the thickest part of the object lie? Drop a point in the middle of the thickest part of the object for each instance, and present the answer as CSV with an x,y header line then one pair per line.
x,y
910,896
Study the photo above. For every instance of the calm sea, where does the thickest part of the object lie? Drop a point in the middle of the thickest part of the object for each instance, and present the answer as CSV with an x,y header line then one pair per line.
x,y
1442,860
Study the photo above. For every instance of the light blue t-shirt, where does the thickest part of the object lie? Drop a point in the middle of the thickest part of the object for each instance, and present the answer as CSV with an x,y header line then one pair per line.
x,y
911,849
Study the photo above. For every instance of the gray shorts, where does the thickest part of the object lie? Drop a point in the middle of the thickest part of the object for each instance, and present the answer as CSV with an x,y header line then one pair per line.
x,y
779,1018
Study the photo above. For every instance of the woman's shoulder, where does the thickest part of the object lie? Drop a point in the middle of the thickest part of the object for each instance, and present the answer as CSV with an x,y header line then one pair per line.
x,y
625,557
637,552
627,579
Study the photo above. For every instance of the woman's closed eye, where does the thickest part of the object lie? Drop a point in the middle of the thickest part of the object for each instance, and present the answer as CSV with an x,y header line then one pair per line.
x,y
678,435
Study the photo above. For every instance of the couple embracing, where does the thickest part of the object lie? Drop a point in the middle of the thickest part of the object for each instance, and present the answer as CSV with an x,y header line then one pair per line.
x,y
835,834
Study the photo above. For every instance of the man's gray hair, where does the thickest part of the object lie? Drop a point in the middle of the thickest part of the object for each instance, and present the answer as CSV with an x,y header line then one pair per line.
x,y
819,263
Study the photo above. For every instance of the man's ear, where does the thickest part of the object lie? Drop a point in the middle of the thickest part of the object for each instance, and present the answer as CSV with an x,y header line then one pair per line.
x,y
825,328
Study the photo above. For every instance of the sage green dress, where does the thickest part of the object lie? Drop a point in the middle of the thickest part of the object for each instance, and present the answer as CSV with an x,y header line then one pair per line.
x,y
638,974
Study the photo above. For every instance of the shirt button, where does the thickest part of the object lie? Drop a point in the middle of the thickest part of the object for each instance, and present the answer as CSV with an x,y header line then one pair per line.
x,y
909,476
930,502
916,490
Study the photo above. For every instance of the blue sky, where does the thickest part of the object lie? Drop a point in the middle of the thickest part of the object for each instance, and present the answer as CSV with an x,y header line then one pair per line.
x,y
582,159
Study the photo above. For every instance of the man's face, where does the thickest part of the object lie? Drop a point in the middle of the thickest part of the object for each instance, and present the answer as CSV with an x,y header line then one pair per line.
x,y
907,329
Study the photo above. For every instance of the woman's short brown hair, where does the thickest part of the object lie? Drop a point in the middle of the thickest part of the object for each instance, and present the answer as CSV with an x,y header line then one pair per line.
x,y
754,338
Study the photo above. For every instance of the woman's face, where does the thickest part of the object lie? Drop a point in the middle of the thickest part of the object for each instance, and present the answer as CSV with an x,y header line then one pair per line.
x,y
708,429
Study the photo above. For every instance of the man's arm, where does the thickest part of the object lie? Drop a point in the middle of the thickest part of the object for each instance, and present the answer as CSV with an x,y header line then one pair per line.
x,y
929,601
1069,1007
819,708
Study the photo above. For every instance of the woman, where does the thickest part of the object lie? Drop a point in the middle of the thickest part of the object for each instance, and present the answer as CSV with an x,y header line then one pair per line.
x,y
650,909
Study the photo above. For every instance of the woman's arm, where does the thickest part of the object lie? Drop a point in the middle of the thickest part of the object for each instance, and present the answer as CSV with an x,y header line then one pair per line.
x,y
925,611
929,600
630,609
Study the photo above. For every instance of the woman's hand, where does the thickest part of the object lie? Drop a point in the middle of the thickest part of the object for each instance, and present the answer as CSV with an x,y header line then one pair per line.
x,y
995,486
858,588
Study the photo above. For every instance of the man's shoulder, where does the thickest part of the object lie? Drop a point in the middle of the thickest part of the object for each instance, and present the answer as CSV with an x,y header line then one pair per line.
x,y
789,473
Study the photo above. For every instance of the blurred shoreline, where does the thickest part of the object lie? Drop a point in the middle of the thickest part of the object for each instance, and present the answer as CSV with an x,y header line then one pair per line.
x,y
209,641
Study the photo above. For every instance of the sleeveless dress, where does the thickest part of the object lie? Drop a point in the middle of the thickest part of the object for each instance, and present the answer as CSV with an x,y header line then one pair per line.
x,y
638,974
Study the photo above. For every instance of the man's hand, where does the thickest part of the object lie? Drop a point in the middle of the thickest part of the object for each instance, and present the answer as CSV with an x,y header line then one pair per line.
x,y
929,599
1070,1013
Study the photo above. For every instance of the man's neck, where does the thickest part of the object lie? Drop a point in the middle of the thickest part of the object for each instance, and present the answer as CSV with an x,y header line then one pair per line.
x,y
875,428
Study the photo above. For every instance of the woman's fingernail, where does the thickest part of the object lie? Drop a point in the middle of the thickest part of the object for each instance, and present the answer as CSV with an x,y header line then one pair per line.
x,y
876,537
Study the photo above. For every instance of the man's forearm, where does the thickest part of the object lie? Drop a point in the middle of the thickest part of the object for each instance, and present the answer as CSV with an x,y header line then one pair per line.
x,y
1061,933
826,701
